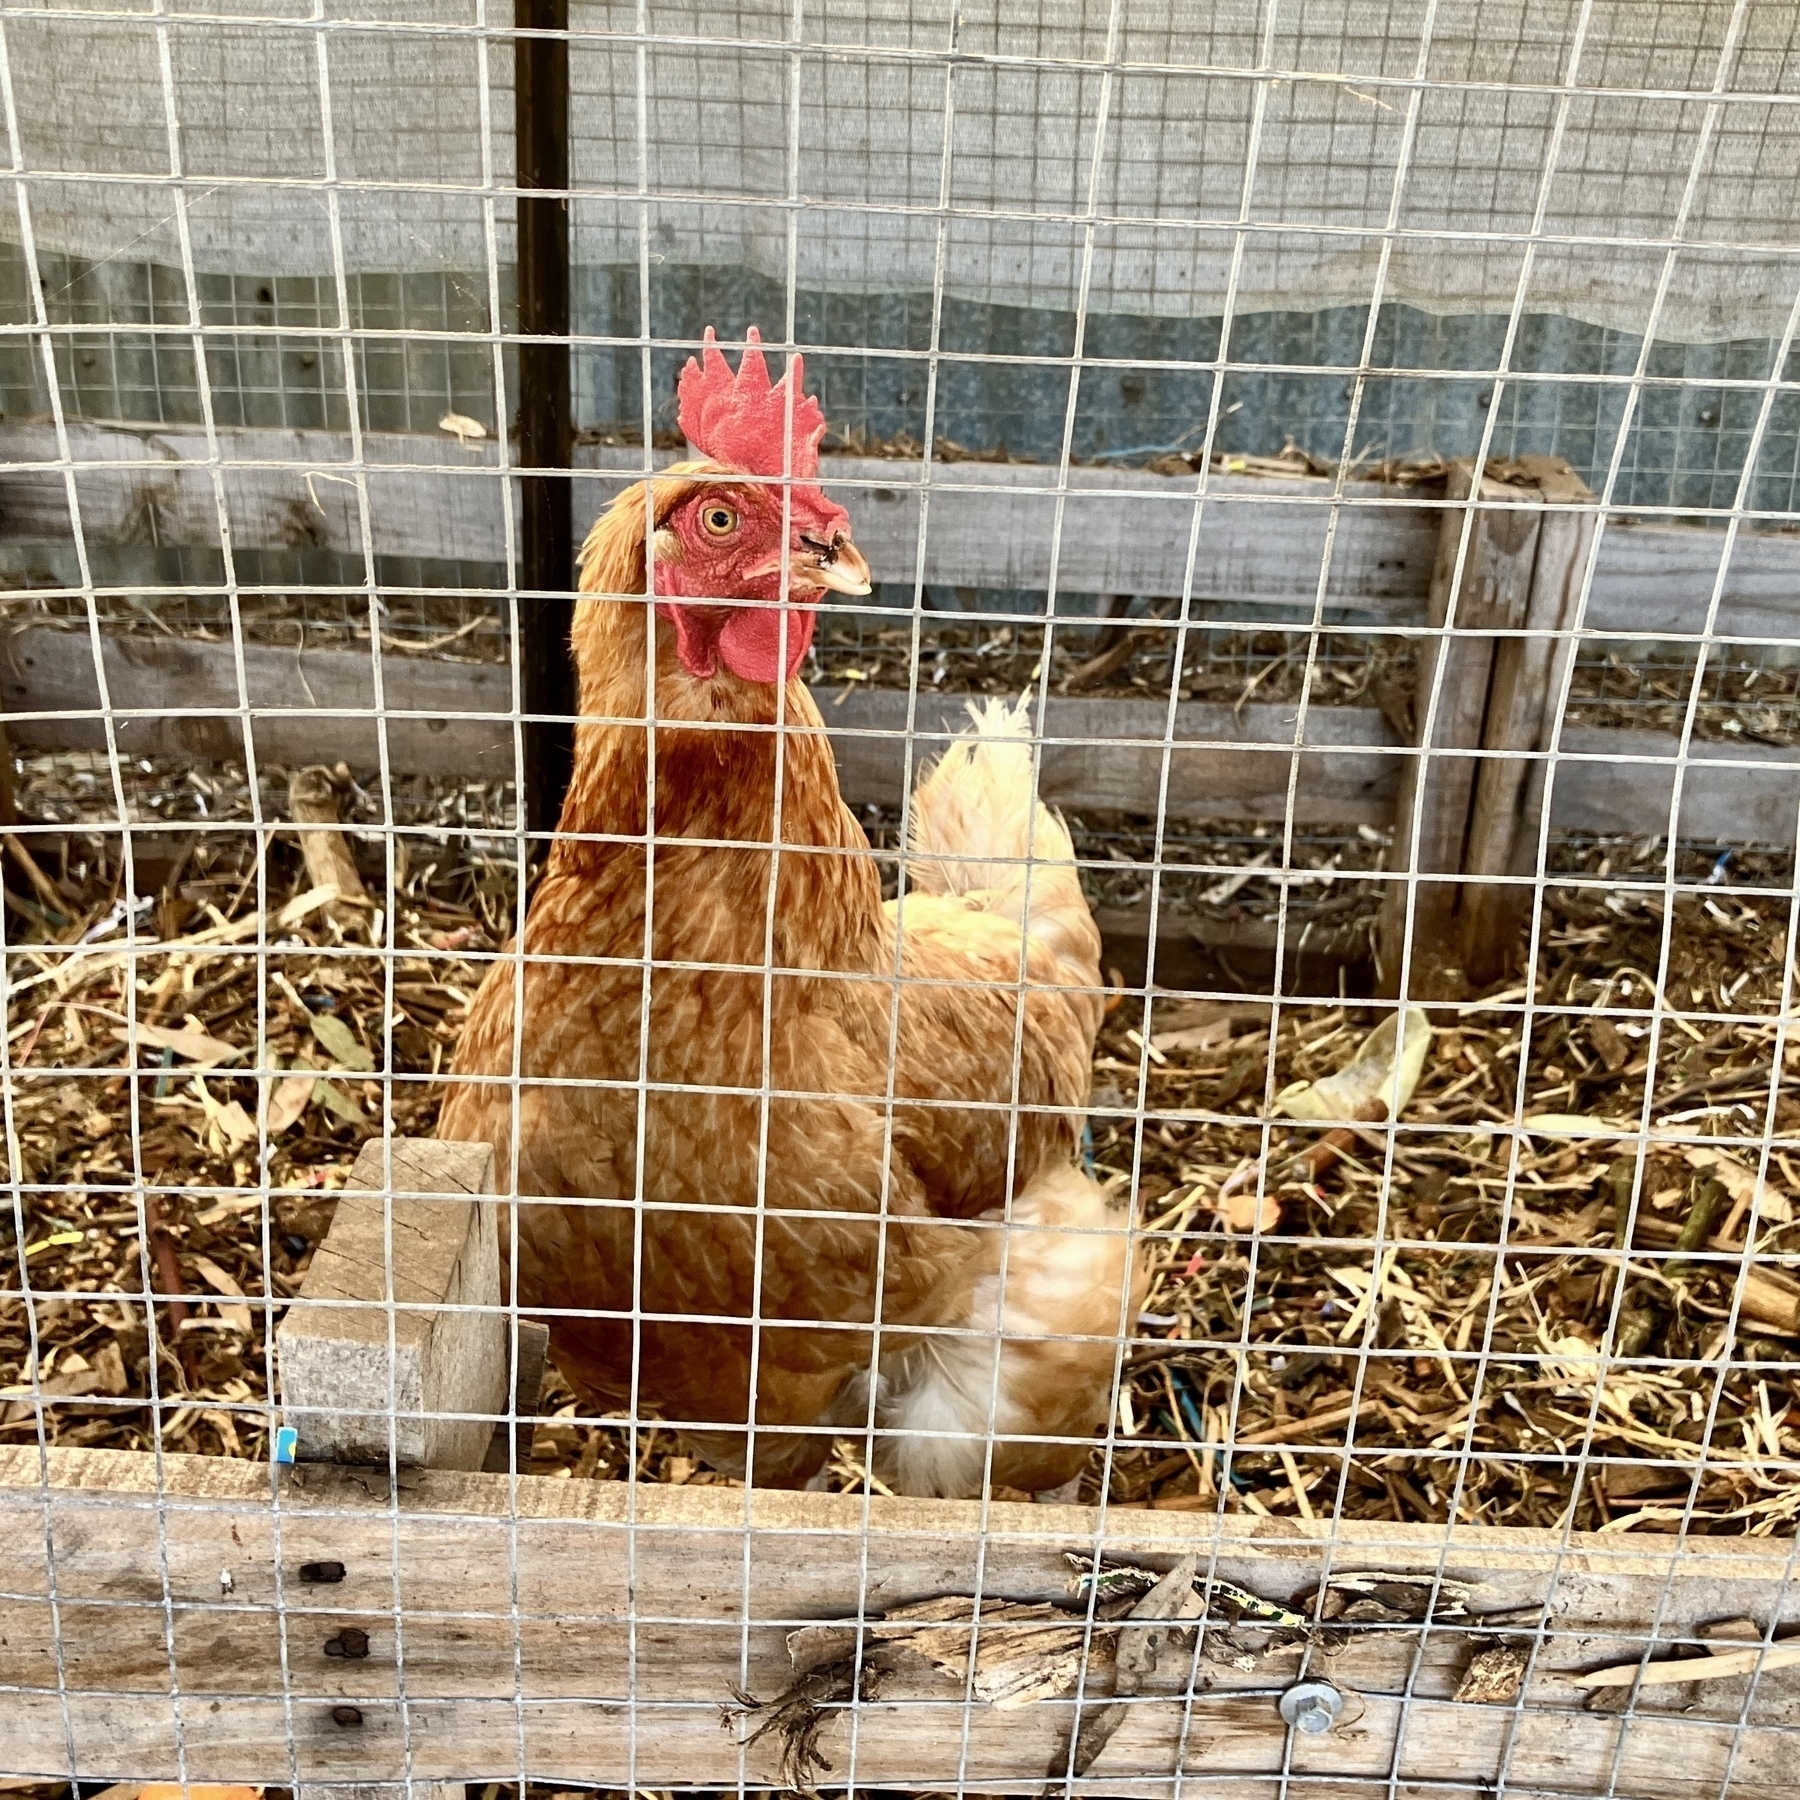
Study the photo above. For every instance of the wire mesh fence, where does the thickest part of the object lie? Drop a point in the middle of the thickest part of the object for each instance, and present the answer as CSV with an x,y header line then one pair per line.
x,y
1180,905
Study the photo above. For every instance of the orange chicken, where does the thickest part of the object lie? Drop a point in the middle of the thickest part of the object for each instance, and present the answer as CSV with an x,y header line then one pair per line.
x,y
791,1161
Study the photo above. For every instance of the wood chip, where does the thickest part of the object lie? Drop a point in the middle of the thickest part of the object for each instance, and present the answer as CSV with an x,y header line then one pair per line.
x,y
313,802
1493,1677
1714,1667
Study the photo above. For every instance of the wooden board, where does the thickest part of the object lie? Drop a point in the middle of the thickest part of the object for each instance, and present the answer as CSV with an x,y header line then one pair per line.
x,y
1260,541
592,1632
181,698
1122,530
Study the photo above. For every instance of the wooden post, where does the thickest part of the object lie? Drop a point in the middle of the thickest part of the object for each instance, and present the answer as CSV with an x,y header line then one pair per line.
x,y
1527,683
1458,816
546,436
528,1380
347,1397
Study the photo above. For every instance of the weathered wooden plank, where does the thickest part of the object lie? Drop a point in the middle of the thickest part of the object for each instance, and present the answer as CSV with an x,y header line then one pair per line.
x,y
181,697
430,496
178,697
379,1354
1260,542
1108,755
633,1613
175,697
1624,781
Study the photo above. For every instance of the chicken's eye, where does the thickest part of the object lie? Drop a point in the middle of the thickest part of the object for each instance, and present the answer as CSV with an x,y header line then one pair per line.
x,y
720,521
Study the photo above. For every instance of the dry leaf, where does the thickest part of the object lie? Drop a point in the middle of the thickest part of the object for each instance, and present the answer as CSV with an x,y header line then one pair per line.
x,y
237,1125
292,1095
234,1125
197,1046
109,1365
340,1042
462,428
221,1283
1371,1076
1246,1210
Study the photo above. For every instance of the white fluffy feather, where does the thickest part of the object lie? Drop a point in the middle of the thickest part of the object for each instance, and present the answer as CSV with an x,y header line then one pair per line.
x,y
1064,1274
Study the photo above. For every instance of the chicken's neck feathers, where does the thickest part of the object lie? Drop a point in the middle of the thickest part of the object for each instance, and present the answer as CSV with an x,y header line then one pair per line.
x,y
711,782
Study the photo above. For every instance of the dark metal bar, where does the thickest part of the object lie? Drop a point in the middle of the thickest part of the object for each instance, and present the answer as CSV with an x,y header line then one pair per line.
x,y
546,435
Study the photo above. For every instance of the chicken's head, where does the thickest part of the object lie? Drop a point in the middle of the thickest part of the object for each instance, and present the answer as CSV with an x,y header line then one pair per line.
x,y
736,571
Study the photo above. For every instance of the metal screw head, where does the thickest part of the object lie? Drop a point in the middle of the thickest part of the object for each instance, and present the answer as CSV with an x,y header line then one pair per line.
x,y
349,1717
1312,1706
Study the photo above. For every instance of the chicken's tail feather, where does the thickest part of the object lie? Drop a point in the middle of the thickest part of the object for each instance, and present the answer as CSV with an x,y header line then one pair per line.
x,y
979,831
1016,1389
976,817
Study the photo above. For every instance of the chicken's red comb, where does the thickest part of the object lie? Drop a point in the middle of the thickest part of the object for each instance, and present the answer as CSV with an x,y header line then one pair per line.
x,y
739,419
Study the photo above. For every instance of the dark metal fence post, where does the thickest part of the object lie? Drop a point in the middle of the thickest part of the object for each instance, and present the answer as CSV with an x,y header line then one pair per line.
x,y
546,437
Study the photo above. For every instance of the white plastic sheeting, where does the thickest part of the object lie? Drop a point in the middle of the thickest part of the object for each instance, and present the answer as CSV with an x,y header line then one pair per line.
x,y
1168,159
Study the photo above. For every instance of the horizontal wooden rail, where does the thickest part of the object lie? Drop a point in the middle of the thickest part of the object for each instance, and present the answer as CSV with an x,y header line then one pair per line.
x,y
155,1611
1261,540
180,697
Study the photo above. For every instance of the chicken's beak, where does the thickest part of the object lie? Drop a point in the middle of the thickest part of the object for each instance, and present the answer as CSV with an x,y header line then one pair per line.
x,y
840,567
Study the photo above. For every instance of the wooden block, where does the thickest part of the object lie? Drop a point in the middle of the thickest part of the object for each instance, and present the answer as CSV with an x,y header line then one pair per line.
x,y
350,1391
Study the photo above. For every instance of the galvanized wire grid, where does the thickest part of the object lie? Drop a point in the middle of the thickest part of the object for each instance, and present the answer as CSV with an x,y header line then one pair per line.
x,y
470,355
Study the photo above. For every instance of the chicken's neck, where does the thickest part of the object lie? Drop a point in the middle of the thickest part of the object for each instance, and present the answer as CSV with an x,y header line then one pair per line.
x,y
709,755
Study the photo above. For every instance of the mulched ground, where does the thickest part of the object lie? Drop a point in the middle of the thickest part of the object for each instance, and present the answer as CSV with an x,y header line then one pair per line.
x,y
1431,1321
